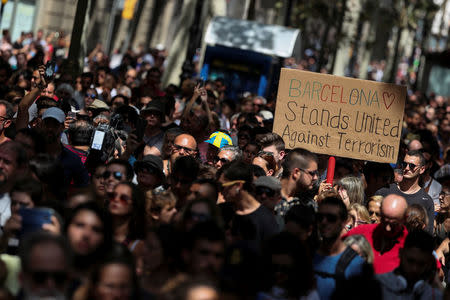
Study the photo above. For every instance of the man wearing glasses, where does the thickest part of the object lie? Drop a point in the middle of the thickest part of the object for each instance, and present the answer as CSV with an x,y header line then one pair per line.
x,y
413,166
183,145
298,179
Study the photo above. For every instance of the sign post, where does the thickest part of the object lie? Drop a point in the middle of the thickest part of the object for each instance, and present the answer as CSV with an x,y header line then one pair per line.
x,y
340,116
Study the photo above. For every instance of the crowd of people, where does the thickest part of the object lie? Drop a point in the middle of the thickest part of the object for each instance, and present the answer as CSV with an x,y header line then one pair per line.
x,y
115,187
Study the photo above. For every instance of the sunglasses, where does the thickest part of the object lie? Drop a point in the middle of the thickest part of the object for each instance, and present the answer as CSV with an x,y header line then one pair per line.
x,y
229,183
264,190
122,197
311,173
410,165
92,96
40,277
178,148
222,160
329,217
116,175
263,153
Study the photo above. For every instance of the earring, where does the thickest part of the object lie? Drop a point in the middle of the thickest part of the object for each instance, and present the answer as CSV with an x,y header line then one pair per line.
x,y
238,190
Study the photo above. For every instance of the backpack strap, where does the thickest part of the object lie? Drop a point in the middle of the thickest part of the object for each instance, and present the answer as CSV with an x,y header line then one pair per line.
x,y
347,256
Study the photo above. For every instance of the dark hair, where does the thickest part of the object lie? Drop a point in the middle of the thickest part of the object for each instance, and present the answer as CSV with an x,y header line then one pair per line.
x,y
45,102
29,186
336,201
124,163
300,276
416,217
418,154
34,135
87,75
137,219
211,183
184,163
50,173
106,221
257,171
274,139
376,169
238,170
297,158
118,254
125,99
419,239
80,133
42,237
208,230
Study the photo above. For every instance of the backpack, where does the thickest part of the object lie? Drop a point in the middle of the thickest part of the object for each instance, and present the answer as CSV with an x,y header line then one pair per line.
x,y
339,274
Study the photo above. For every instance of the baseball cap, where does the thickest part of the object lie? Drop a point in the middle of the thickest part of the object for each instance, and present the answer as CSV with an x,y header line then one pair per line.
x,y
155,105
219,139
55,113
99,104
269,182
150,162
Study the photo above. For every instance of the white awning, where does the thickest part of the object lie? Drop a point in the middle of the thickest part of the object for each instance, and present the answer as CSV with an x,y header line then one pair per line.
x,y
247,35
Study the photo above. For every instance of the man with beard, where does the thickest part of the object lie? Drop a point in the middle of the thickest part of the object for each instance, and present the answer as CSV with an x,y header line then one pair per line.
x,y
13,159
387,237
298,179
51,127
183,145
46,266
334,262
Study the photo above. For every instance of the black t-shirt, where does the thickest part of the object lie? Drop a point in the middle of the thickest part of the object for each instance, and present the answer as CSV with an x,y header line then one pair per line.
x,y
256,226
421,197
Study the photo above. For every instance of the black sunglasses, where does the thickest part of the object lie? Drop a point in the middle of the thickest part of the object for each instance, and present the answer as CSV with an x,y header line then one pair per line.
x,y
330,217
116,175
222,160
264,190
40,277
311,173
410,165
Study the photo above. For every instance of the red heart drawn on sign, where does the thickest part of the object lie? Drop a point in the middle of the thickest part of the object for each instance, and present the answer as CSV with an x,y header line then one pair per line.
x,y
387,97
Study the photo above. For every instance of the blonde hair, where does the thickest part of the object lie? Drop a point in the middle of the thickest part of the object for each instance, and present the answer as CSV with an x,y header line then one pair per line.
x,y
361,212
155,202
354,187
376,198
364,247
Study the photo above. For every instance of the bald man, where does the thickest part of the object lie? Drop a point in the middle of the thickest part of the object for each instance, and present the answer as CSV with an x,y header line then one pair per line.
x,y
183,145
388,237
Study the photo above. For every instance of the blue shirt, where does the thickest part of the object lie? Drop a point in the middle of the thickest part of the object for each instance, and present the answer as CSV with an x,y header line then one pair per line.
x,y
327,264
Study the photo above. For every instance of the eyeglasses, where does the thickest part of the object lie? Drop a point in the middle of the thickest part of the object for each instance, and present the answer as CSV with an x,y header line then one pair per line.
x,y
410,165
264,190
311,173
122,197
116,175
40,277
222,160
329,217
178,148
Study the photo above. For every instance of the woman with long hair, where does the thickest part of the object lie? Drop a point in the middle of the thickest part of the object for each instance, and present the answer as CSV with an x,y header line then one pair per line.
x,y
127,210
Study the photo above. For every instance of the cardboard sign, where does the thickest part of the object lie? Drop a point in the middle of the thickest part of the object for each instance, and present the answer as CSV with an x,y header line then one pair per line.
x,y
340,116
